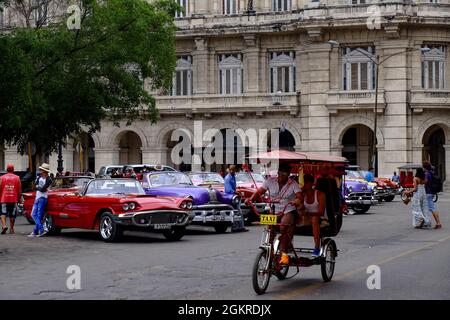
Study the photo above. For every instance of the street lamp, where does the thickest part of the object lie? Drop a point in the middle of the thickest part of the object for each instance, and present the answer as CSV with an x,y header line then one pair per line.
x,y
377,61
60,159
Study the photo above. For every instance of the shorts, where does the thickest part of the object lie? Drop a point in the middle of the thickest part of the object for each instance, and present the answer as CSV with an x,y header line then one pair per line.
x,y
431,204
9,210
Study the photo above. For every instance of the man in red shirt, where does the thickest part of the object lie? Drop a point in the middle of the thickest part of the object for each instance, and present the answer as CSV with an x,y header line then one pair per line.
x,y
10,195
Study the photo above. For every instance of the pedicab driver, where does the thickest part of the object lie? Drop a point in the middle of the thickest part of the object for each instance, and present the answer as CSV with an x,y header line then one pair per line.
x,y
283,189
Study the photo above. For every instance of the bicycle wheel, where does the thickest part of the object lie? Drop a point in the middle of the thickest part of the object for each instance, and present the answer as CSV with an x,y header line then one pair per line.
x,y
329,260
261,274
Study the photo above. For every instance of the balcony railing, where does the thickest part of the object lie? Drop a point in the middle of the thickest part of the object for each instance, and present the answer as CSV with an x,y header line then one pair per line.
x,y
429,99
352,100
254,102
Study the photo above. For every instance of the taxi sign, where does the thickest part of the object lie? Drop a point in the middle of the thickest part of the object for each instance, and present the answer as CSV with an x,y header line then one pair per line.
x,y
270,219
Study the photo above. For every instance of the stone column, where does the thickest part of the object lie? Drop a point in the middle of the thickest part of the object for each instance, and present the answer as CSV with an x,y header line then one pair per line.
x,y
318,115
397,131
13,157
200,66
201,6
106,156
156,156
67,156
251,59
447,167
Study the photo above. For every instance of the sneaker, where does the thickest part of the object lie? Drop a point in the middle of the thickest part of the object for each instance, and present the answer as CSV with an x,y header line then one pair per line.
x,y
315,253
284,259
41,234
4,230
31,235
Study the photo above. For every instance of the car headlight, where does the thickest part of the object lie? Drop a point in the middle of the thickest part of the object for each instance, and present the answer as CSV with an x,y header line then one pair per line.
x,y
189,205
235,200
126,207
132,206
350,189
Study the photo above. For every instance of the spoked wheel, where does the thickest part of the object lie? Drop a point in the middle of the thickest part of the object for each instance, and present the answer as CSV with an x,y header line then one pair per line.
x,y
49,225
109,230
329,260
261,274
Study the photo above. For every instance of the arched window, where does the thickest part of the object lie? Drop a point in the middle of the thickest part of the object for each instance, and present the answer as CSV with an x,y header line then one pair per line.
x,y
182,78
433,67
230,73
358,68
282,71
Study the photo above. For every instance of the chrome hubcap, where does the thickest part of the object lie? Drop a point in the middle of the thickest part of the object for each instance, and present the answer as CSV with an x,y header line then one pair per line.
x,y
106,227
263,274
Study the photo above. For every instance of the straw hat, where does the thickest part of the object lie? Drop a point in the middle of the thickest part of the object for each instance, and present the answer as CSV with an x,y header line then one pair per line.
x,y
45,167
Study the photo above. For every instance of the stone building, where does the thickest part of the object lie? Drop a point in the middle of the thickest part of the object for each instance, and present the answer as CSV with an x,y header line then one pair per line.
x,y
270,64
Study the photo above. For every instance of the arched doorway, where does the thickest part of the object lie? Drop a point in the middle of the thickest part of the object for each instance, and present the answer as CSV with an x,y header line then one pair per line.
x,y
283,139
433,149
357,146
130,145
183,144
84,153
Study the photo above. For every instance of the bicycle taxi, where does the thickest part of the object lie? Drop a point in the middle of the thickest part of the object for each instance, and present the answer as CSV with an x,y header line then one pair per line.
x,y
268,256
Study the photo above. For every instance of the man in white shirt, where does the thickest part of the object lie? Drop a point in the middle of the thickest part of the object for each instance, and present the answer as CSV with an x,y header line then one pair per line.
x,y
42,183
284,190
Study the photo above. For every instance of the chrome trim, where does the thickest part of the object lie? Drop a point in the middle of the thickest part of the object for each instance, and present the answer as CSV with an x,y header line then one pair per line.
x,y
135,215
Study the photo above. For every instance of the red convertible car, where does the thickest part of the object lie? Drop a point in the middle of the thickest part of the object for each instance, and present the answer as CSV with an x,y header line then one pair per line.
x,y
112,206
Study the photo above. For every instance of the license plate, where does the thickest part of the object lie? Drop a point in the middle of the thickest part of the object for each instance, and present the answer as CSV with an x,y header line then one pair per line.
x,y
270,219
162,226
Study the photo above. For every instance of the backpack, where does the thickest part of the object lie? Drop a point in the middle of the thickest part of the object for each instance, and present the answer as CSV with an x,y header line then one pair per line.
x,y
435,184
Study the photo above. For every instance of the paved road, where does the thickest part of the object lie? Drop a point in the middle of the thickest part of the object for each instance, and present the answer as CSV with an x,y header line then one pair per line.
x,y
204,265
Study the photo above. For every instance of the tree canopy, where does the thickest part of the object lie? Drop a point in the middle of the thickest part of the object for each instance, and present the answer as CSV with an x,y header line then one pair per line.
x,y
55,81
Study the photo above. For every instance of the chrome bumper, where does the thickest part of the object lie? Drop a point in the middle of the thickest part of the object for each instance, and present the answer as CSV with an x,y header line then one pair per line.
x,y
214,214
145,219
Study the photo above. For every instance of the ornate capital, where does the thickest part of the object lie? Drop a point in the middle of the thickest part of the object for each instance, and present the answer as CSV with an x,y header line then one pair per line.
x,y
200,44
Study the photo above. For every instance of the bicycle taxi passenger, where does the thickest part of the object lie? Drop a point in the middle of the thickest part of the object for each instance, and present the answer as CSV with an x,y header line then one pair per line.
x,y
282,191
315,209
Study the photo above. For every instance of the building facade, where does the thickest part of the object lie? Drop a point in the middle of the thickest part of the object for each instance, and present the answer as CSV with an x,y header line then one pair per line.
x,y
306,68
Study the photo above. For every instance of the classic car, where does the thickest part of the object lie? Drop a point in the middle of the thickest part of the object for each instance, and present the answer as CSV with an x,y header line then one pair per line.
x,y
357,193
392,188
243,179
60,185
384,189
379,190
216,181
112,206
211,207
137,168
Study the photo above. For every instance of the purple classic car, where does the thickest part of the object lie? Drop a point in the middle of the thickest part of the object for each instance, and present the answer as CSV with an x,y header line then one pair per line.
x,y
211,207
358,194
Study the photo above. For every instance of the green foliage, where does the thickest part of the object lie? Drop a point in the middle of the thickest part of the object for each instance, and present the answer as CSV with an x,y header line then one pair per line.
x,y
55,81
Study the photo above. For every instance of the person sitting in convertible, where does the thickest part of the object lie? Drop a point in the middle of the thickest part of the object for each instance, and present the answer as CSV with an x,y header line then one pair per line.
x,y
315,208
283,190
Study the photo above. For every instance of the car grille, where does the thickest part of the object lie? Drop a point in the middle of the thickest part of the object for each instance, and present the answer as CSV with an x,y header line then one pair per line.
x,y
158,218
357,195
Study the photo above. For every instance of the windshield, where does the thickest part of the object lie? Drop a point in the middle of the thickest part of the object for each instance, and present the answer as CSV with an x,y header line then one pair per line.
x,y
244,177
69,182
114,186
205,178
354,175
168,179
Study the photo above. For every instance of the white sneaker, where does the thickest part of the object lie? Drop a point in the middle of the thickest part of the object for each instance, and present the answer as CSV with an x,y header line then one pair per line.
x,y
32,235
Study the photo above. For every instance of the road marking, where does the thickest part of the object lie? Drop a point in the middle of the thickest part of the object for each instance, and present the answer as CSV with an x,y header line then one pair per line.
x,y
312,287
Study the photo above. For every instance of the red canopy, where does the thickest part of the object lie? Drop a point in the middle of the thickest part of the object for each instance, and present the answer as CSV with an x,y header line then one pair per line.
x,y
294,156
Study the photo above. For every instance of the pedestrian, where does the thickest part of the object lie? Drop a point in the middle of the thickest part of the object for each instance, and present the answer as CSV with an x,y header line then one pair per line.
x,y
370,177
431,205
10,196
230,188
419,201
42,184
395,178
